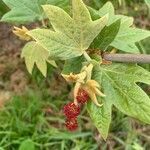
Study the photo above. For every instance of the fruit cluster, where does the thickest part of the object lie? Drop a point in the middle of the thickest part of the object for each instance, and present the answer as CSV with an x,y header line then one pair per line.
x,y
72,110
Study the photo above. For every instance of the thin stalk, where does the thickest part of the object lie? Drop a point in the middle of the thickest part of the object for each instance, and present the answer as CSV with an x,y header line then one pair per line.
x,y
87,57
127,58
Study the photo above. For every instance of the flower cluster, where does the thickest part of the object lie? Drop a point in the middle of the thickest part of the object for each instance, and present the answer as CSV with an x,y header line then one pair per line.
x,y
85,88
72,110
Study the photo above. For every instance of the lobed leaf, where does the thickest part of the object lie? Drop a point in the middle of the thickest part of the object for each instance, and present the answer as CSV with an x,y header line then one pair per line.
x,y
108,8
72,36
24,11
35,54
127,36
100,116
119,83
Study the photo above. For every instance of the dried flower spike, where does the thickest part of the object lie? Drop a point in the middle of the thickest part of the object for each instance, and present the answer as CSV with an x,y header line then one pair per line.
x,y
71,110
22,33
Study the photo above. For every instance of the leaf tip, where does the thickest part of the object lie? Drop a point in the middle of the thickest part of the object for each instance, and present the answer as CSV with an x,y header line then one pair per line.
x,y
44,7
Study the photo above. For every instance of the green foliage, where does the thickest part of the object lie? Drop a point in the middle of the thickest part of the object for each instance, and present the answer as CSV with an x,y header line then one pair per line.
x,y
73,35
25,11
127,36
3,8
71,65
107,36
71,38
24,122
108,8
119,85
25,118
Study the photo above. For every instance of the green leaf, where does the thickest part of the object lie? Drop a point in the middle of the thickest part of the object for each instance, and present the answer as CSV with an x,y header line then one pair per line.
x,y
106,36
24,11
73,65
60,3
36,54
72,36
119,84
108,8
3,8
101,116
148,3
96,3
27,145
127,36
126,47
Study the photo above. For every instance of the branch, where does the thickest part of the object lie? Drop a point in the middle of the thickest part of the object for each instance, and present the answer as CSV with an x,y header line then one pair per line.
x,y
128,58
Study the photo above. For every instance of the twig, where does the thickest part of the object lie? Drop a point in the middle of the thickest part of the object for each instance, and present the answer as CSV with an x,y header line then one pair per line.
x,y
127,58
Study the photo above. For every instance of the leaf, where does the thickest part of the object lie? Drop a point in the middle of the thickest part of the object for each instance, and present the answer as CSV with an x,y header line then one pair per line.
x,y
127,47
95,4
36,54
60,3
101,116
24,11
108,8
148,3
3,8
127,36
27,145
106,36
119,84
73,65
72,36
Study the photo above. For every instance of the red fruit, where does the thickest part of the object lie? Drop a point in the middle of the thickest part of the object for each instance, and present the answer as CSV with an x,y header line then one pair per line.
x,y
82,96
71,110
71,124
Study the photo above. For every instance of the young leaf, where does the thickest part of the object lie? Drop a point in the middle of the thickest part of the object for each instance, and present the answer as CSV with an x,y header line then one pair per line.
x,y
106,36
119,84
23,11
72,36
35,54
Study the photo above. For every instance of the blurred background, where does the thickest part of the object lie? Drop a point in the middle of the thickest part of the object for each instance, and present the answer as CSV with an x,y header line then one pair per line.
x,y
31,105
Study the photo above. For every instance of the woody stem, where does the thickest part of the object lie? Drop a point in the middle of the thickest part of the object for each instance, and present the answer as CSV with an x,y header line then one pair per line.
x,y
127,58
